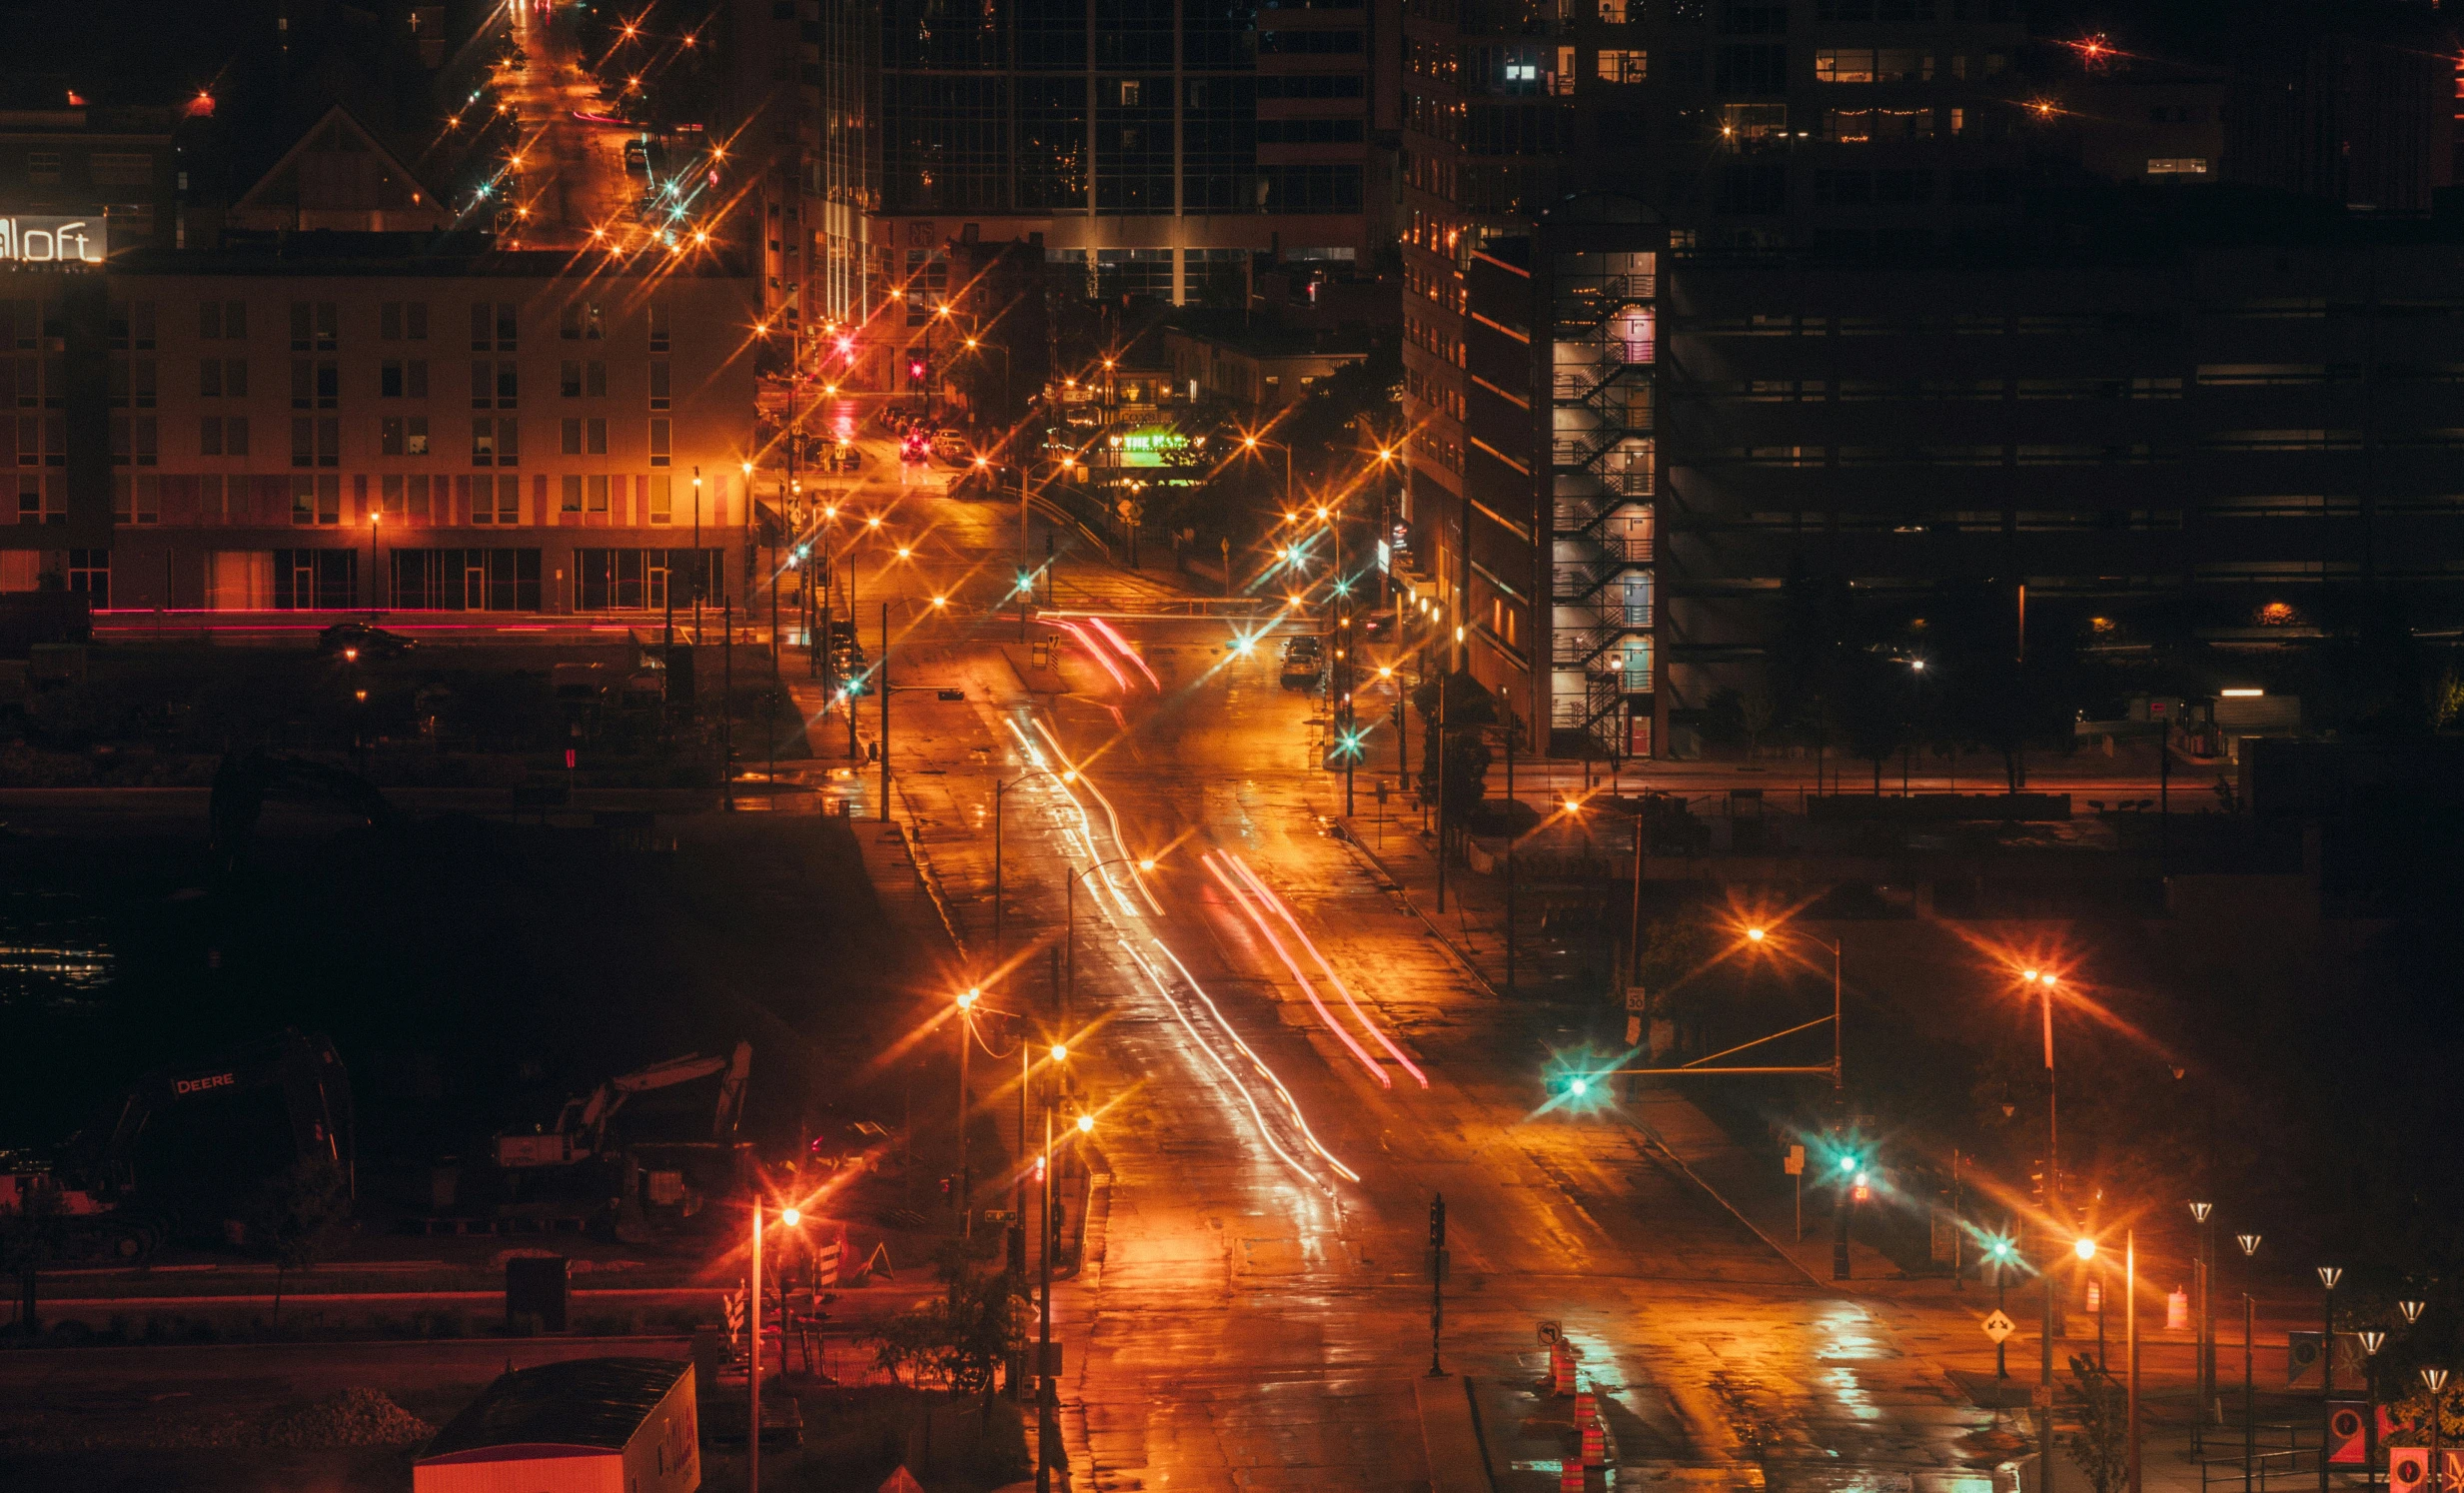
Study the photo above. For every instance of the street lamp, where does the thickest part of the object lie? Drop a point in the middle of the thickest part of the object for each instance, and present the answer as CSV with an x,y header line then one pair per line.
x,y
1252,442
2435,1381
2249,1401
998,790
2044,981
1069,936
2204,1369
1047,1397
2000,1253
789,1218
966,1178
2328,1275
2372,1339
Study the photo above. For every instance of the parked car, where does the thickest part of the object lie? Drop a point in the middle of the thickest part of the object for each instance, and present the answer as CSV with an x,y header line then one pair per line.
x,y
363,640
1378,624
1304,660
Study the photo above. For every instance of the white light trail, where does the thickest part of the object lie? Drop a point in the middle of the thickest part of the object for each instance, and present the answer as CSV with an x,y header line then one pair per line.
x,y
1118,841
1258,884
1288,1102
1241,899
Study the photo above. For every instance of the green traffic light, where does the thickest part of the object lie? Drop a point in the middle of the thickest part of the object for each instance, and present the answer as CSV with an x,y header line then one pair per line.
x,y
1848,1163
1582,1086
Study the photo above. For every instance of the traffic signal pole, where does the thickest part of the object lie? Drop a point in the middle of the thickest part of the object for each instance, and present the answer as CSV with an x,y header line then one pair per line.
x,y
885,694
1437,1279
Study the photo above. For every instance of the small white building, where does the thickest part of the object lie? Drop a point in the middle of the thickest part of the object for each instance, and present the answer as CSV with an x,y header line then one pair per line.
x,y
586,1425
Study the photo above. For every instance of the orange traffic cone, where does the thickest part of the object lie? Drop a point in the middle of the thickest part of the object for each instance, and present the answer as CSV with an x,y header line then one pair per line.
x,y
1595,1445
1570,1476
1587,1408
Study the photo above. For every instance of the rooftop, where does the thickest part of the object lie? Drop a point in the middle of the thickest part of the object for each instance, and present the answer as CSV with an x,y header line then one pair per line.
x,y
452,252
582,1402
1261,338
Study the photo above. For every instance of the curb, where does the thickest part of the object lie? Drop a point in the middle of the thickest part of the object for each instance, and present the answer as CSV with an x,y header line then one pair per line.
x,y
1651,1138
1463,961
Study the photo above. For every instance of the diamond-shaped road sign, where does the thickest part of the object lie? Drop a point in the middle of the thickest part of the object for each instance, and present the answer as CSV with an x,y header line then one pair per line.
x,y
2000,1326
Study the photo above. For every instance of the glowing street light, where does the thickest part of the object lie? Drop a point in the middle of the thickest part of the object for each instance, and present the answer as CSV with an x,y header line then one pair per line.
x,y
753,1376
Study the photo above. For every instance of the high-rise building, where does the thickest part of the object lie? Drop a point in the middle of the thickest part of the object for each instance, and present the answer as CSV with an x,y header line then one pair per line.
x,y
1157,147
1743,128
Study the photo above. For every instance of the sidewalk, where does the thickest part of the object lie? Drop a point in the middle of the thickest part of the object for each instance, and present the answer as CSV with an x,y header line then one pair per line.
x,y
1547,965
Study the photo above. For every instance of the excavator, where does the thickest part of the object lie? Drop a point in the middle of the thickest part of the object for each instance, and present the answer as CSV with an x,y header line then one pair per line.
x,y
246,778
640,1183
580,1131
105,1203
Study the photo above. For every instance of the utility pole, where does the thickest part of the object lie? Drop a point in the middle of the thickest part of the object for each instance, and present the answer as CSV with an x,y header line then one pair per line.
x,y
2130,1350
726,706
2043,1399
885,729
770,733
1437,1279
1437,770
966,1177
1512,835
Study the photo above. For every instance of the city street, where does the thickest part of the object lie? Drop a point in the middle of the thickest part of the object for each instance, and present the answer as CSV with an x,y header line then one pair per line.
x,y
573,171
1255,1310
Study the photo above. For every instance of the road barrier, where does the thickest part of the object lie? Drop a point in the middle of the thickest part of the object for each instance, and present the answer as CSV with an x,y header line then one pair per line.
x,y
1562,1367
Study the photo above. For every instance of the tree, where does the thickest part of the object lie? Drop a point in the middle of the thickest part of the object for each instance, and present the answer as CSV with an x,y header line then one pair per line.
x,y
978,1324
1675,952
29,1240
1992,696
1872,707
1466,707
1805,655
299,1215
1724,726
2101,1445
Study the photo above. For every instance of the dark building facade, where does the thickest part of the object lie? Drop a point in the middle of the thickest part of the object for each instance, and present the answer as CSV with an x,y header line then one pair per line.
x,y
2225,444
1154,147
2219,443
1860,126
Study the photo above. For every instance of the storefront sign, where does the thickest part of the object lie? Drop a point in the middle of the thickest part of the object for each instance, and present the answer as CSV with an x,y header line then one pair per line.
x,y
36,241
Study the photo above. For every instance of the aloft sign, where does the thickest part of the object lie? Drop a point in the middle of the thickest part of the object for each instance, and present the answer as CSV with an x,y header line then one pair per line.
x,y
37,241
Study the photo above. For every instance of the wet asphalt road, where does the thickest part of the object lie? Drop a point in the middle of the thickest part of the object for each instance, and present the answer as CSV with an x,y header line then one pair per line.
x,y
1258,1314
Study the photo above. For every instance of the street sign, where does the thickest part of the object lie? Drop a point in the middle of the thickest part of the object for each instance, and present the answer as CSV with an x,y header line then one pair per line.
x,y
1550,1332
996,1215
2000,1326
1795,1165
1637,999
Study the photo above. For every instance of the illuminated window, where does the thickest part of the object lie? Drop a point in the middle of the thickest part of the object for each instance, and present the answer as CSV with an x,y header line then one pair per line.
x,y
1621,65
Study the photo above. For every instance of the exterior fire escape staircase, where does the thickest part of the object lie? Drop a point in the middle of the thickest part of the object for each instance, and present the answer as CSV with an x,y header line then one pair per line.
x,y
1600,466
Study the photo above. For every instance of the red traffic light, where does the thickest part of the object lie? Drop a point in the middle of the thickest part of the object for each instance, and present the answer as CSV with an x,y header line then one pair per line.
x,y
915,368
